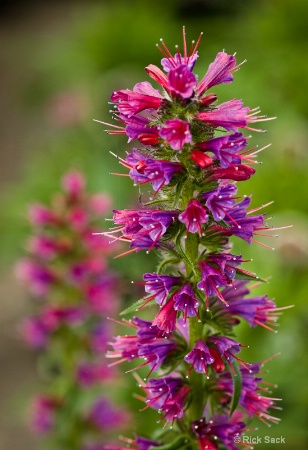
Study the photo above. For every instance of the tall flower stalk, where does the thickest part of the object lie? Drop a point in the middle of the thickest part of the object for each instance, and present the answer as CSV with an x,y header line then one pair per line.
x,y
66,272
193,155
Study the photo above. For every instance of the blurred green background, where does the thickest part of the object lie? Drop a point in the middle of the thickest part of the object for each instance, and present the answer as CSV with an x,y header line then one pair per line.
x,y
60,61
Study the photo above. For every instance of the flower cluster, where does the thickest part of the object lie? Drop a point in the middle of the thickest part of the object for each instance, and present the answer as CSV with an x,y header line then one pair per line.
x,y
193,155
67,274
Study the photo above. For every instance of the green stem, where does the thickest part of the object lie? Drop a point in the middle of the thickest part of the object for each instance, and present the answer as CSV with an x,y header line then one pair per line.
x,y
196,380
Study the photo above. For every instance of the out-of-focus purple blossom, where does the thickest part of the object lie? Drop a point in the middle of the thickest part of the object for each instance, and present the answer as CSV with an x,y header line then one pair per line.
x,y
43,413
103,415
34,332
39,278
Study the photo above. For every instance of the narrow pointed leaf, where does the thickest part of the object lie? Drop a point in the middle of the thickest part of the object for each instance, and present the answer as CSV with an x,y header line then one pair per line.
x,y
237,387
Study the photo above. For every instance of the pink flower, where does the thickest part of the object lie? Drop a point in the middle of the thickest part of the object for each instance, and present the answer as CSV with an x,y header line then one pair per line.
x,y
182,81
176,133
220,71
193,217
165,319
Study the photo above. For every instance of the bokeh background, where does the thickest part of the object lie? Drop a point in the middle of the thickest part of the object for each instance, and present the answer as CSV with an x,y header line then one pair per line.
x,y
59,62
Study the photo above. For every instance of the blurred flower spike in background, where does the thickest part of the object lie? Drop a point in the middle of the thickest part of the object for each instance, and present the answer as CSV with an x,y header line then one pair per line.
x,y
73,290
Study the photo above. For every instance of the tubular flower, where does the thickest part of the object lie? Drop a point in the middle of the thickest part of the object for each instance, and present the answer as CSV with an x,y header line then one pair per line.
x,y
176,132
193,155
193,217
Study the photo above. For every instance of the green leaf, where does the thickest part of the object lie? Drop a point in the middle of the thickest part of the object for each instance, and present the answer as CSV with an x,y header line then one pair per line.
x,y
134,307
237,386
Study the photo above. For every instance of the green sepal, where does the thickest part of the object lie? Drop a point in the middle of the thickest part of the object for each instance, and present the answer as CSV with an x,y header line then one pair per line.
x,y
237,386
245,275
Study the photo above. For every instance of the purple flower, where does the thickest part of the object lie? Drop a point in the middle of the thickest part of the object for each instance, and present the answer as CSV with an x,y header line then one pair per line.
x,y
219,430
176,132
199,357
137,225
168,395
226,348
220,201
256,311
217,270
156,352
181,81
226,148
219,71
231,115
147,170
137,126
148,343
160,285
242,226
193,217
185,301
251,400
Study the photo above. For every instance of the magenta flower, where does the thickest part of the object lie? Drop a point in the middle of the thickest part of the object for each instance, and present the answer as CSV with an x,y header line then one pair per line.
x,y
231,115
193,217
34,332
143,97
178,60
220,71
176,132
43,413
181,81
165,319
240,172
